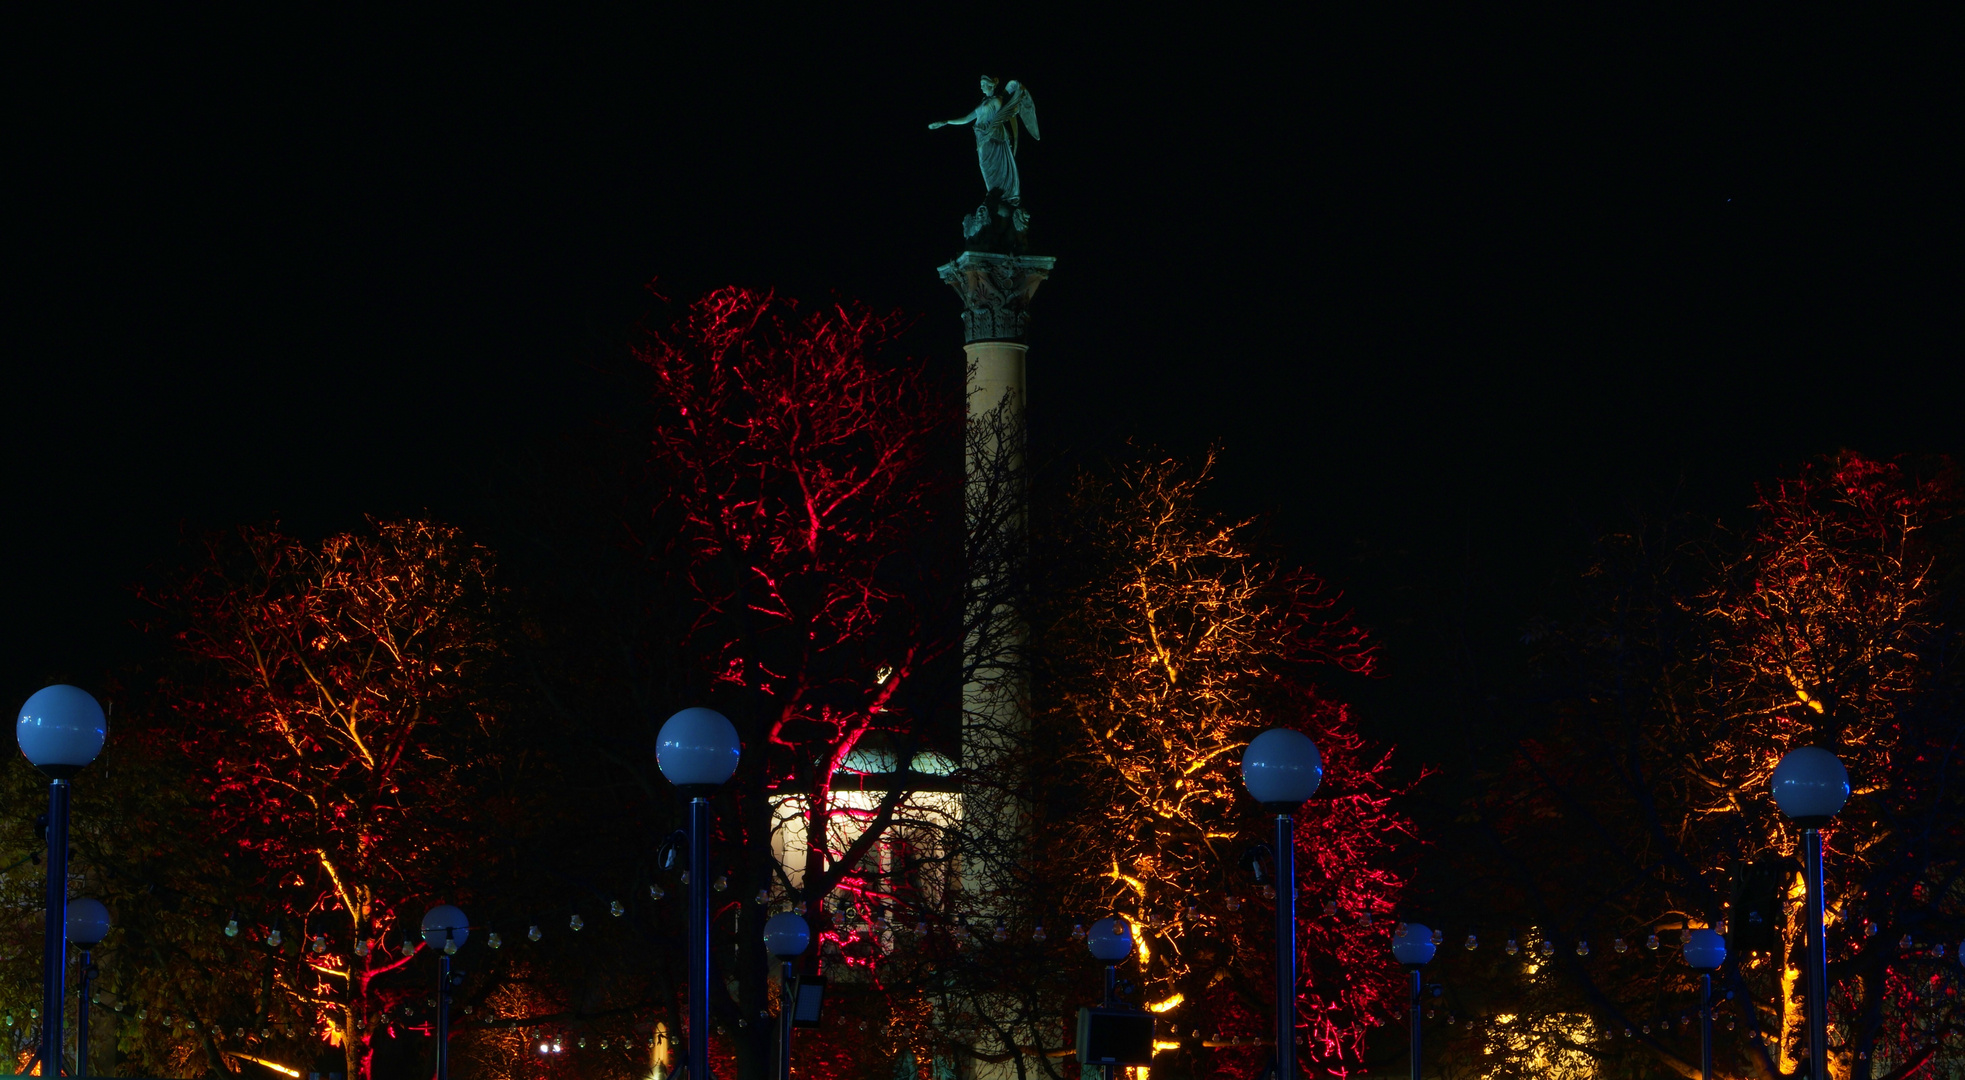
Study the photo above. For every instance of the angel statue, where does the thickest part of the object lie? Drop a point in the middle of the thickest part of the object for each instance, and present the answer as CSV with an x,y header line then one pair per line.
x,y
997,121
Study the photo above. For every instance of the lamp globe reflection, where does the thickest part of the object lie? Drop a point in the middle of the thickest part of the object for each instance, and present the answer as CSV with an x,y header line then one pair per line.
x,y
1282,767
1810,785
786,935
445,924
1705,949
61,730
1413,945
88,922
1111,940
698,748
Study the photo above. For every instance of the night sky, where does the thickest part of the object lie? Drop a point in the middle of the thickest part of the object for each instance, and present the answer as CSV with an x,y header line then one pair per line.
x,y
1448,295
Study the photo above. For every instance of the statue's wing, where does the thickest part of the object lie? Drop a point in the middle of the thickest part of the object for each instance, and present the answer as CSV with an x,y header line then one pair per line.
x,y
1026,111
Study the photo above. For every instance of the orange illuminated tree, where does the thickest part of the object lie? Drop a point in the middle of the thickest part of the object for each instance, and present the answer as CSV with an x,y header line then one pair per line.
x,y
1172,643
1689,665
333,715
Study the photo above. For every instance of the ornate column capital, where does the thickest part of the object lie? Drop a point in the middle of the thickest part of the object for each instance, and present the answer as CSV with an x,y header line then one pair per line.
x,y
995,291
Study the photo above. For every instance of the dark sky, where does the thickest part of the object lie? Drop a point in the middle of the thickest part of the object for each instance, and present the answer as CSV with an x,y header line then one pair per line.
x,y
1447,293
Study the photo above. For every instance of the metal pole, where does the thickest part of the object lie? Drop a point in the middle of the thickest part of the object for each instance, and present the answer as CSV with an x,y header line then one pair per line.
x,y
54,956
1706,1026
443,1015
1111,998
82,1016
699,938
1285,947
787,1008
1416,1036
1818,961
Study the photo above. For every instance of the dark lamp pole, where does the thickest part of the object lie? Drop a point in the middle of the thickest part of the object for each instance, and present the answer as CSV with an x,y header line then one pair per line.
x,y
786,936
1282,769
1413,947
1705,951
445,929
1110,941
698,750
1810,786
61,730
88,924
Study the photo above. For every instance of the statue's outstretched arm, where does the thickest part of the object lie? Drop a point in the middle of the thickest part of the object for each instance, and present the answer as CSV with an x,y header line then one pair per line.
x,y
971,115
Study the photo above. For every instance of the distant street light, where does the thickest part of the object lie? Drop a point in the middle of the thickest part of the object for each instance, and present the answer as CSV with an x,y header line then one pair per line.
x,y
1111,942
1705,951
61,730
1810,786
1282,769
88,924
698,750
786,936
445,929
1413,946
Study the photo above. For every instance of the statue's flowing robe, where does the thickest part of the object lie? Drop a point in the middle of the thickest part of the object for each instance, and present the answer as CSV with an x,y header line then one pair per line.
x,y
996,149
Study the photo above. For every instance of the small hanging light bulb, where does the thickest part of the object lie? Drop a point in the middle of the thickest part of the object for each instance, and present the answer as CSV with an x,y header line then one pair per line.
x,y
921,928
1330,908
1472,943
1905,943
1938,950
1651,942
495,940
232,928
320,944
1193,911
532,933
1546,947
409,945
763,897
721,883
1077,931
1582,947
1439,936
685,877
616,908
361,947
273,938
1269,892
1364,918
603,1044
1512,947
1619,946
656,892
1233,903
449,947
583,1042
576,923
1037,935
1001,933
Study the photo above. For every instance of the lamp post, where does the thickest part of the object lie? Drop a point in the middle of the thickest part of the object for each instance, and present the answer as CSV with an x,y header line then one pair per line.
x,y
88,924
785,936
445,929
1705,951
1413,946
1111,941
1282,769
61,730
1810,785
698,751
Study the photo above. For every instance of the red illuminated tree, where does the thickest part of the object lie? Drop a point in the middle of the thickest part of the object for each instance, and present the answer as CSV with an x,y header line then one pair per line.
x,y
1172,645
805,495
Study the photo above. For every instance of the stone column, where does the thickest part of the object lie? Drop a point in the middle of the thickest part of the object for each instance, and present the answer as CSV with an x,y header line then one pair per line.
x,y
996,291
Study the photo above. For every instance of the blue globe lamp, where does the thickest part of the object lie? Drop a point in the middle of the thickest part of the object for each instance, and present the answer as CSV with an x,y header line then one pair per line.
x,y
1810,786
698,750
1282,768
60,729
1705,952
